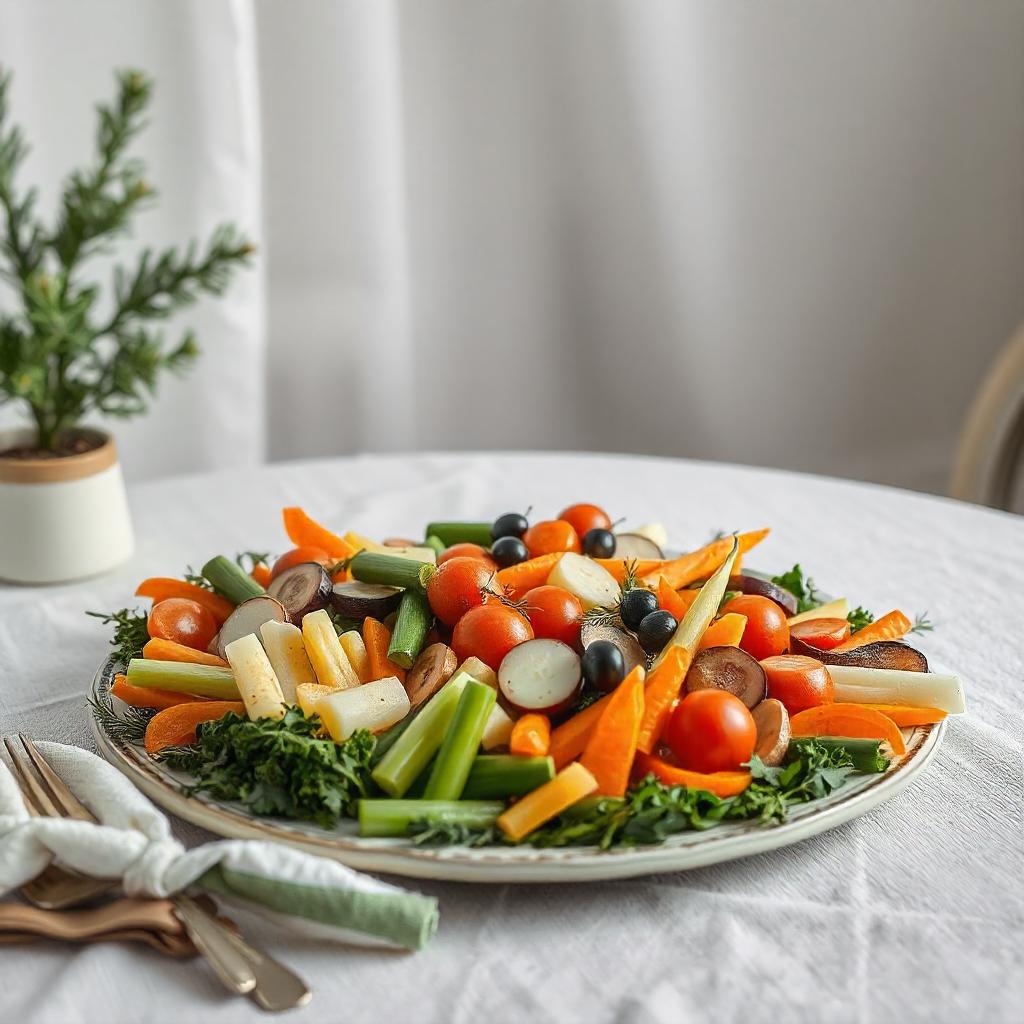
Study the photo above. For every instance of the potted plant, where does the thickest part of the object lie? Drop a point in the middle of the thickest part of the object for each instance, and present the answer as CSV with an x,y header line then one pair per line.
x,y
72,349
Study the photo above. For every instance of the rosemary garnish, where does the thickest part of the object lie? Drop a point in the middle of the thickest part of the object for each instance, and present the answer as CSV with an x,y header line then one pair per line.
x,y
129,727
130,632
922,624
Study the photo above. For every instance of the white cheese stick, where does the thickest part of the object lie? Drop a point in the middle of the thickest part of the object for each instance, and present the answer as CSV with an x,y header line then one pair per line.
x,y
254,677
355,650
283,643
375,706
889,686
327,656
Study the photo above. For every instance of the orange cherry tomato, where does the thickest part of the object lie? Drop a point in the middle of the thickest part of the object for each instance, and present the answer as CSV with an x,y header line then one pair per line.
x,y
551,535
468,551
766,632
183,621
824,634
798,681
711,731
298,555
586,517
457,586
554,613
489,633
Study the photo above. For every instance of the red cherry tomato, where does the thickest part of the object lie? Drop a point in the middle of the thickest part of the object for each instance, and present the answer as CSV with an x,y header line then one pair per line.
x,y
586,517
824,634
551,535
711,731
468,551
798,681
183,621
297,556
554,613
766,632
457,586
489,633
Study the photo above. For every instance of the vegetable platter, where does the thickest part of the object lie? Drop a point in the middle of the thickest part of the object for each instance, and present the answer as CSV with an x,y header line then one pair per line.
x,y
514,701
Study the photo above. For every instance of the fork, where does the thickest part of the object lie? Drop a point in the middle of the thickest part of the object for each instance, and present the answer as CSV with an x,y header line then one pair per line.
x,y
240,966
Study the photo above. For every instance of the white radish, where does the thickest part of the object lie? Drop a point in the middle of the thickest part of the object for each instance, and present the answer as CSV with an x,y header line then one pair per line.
x,y
375,706
591,583
837,609
283,643
254,677
654,532
498,730
889,686
540,675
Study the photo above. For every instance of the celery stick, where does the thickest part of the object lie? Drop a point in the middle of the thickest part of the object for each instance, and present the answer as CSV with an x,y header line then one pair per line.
x,y
387,739
461,743
231,580
393,817
436,543
391,570
410,630
202,680
461,533
497,776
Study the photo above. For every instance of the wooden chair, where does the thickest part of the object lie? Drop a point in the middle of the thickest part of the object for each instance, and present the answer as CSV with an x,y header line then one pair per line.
x,y
989,467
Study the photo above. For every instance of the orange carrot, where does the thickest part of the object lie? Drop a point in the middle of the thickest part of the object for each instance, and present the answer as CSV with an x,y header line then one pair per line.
x,y
660,693
853,720
305,532
167,650
146,697
677,602
889,627
377,638
261,574
723,784
534,572
176,726
568,787
531,736
609,752
907,717
641,566
724,632
701,563
570,738
159,588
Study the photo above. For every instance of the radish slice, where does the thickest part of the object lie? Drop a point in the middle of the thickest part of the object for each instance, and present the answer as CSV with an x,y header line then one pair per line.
x,y
540,675
301,589
591,583
247,618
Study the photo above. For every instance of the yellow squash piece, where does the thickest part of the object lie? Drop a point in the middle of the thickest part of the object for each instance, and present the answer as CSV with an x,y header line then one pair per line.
x,y
568,787
283,643
255,678
327,656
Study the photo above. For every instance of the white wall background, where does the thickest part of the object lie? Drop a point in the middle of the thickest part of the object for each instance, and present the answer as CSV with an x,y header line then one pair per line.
x,y
783,232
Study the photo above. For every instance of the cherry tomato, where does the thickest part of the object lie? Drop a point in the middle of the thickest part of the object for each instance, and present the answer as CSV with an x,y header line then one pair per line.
x,y
457,586
711,731
798,681
298,555
766,632
555,614
821,633
183,621
489,633
551,535
468,551
584,518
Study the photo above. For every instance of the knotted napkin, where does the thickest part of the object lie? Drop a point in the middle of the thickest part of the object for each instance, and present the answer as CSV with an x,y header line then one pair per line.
x,y
134,843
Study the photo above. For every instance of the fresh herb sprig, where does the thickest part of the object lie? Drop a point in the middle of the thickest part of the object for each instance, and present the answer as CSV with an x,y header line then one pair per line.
x,y
803,589
248,560
859,618
128,727
130,632
922,624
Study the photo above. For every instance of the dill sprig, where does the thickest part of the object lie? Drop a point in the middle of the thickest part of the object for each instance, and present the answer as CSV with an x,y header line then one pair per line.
x,y
130,632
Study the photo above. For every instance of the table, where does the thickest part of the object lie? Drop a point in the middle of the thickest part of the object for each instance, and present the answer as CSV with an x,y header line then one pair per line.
x,y
915,910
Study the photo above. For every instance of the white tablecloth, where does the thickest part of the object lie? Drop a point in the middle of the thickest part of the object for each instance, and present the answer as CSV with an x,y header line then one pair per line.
x,y
915,911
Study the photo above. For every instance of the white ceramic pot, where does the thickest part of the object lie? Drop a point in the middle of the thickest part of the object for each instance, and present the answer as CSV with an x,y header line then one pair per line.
x,y
62,518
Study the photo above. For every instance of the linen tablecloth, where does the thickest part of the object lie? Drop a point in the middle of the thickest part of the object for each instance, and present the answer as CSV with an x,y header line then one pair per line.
x,y
915,911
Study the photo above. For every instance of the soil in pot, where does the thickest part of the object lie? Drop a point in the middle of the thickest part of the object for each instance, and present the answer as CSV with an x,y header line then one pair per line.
x,y
72,442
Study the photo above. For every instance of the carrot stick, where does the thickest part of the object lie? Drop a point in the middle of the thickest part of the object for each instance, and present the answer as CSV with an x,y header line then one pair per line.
x,y
305,532
677,602
176,726
147,697
723,784
261,574
167,650
724,632
159,588
703,562
534,572
854,720
660,693
609,752
531,736
641,566
570,738
889,627
377,638
907,717
568,787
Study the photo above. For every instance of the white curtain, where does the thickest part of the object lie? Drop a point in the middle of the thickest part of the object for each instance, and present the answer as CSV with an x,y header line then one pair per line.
x,y
785,233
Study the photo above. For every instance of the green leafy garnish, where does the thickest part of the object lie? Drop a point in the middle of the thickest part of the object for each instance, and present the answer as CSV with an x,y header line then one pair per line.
x,y
124,728
248,560
130,632
197,579
588,698
922,624
278,766
859,618
804,590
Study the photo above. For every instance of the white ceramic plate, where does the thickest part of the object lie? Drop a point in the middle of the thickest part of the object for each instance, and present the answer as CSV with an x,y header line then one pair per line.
x,y
513,864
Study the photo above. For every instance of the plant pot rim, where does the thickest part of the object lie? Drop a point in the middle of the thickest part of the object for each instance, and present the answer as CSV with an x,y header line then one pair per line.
x,y
58,469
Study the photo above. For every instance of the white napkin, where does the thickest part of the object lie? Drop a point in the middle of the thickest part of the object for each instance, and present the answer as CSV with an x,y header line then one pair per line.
x,y
134,843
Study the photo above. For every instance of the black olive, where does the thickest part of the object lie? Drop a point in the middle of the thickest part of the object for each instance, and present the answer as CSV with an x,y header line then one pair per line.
x,y
603,666
509,551
635,605
599,543
656,630
511,524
